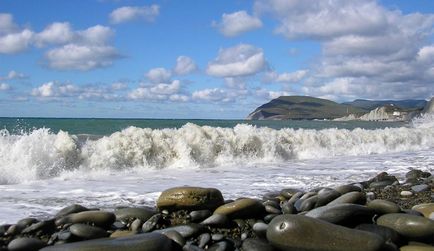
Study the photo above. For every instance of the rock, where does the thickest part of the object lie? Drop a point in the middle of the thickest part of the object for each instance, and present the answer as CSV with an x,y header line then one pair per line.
x,y
122,233
204,239
199,215
350,197
296,232
150,224
287,208
416,174
131,213
243,208
220,246
345,214
136,225
416,248
256,245
71,210
216,220
308,204
380,184
420,188
383,206
326,196
138,242
272,210
190,198
46,227
87,232
26,244
98,218
410,226
347,188
406,194
187,230
289,192
269,217
260,229
191,247
176,237
426,209
388,234
217,237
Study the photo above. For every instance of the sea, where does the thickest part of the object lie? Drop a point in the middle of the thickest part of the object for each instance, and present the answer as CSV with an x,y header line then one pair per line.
x,y
49,163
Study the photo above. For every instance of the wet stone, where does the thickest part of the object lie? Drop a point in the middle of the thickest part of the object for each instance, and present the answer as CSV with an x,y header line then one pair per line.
x,y
410,226
383,206
70,210
216,220
97,218
175,236
131,213
191,198
420,188
350,197
256,245
150,224
199,215
26,244
243,208
204,239
87,232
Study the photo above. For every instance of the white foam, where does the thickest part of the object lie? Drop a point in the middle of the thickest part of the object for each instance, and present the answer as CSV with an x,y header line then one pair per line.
x,y
42,154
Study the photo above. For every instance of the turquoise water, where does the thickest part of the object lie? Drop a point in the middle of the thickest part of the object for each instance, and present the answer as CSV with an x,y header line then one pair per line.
x,y
109,126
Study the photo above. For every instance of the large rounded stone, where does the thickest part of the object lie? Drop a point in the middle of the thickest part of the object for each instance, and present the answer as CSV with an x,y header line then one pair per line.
x,y
98,218
345,214
87,232
243,208
383,206
131,213
416,248
351,197
186,231
301,233
191,198
426,209
75,208
410,226
388,234
26,244
138,242
256,245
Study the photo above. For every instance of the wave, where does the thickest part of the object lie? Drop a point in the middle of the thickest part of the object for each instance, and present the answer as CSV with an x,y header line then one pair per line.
x,y
42,154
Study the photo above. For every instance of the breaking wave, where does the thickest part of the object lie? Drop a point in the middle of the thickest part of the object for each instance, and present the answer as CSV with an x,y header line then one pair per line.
x,y
42,154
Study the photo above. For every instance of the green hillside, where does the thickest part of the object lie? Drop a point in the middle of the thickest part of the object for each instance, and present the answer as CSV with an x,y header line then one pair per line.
x,y
303,107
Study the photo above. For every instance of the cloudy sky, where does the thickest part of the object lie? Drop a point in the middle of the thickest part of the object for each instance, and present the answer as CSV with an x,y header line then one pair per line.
x,y
208,59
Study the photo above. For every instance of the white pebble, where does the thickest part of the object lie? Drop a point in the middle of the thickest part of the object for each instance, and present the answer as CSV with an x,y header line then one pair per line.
x,y
406,193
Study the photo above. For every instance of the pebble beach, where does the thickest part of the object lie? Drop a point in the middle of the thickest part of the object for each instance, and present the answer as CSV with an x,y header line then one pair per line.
x,y
381,213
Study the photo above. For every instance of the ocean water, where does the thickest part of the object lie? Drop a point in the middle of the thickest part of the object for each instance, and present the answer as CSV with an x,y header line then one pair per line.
x,y
47,164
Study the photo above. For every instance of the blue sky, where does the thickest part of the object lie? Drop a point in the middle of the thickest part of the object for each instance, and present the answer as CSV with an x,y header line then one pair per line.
x,y
207,59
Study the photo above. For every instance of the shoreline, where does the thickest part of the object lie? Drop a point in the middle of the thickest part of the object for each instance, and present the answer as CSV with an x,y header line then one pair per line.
x,y
194,218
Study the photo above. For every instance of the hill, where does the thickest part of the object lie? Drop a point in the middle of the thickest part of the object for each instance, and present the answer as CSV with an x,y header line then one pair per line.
x,y
302,107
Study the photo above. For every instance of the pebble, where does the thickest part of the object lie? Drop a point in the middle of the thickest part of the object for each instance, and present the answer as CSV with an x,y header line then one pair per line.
x,y
26,244
383,206
216,220
191,198
87,232
199,215
175,236
150,224
350,197
243,208
204,239
256,245
342,213
131,213
426,209
410,226
420,188
406,193
71,210
186,230
297,232
98,218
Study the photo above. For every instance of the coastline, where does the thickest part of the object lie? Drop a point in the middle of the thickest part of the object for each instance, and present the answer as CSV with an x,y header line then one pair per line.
x,y
193,218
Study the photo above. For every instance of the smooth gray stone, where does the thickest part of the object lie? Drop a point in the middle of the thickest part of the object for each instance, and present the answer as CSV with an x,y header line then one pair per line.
x,y
410,226
199,215
217,237
64,235
381,184
272,210
272,203
242,208
190,198
191,247
388,234
269,217
215,220
308,195
138,242
26,244
20,226
351,197
256,245
132,213
136,225
176,237
87,232
71,210
219,246
150,224
295,197
420,188
296,232
308,203
326,196
44,226
383,206
98,218
288,208
187,230
204,239
341,213
289,192
260,229
347,188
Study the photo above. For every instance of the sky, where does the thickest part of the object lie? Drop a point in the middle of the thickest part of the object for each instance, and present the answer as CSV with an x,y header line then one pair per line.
x,y
208,59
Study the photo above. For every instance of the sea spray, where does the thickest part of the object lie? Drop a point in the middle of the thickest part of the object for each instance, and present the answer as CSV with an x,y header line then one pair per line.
x,y
42,154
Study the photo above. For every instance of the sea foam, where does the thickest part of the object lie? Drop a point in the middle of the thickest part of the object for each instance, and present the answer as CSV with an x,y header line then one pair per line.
x,y
42,154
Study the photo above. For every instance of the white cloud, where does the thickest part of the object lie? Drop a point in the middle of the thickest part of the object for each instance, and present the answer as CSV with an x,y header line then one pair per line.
x,y
162,91
55,33
81,57
119,86
16,42
241,60
159,75
218,95
267,94
95,35
184,65
4,87
129,13
234,24
13,75
286,77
